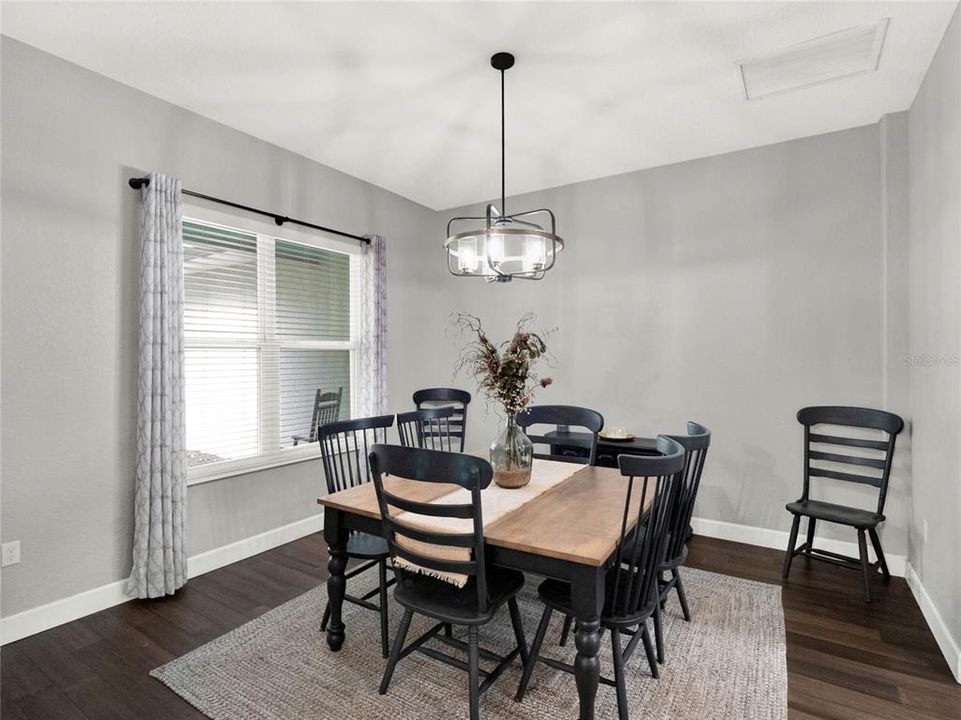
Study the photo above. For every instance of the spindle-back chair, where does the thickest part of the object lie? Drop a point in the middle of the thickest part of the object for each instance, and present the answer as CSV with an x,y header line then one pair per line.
x,y
344,447
430,428
632,592
447,397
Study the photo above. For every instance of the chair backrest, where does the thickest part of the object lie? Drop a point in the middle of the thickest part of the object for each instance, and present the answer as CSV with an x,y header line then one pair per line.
x,y
834,449
447,397
563,417
431,466
326,410
695,445
640,551
344,447
429,428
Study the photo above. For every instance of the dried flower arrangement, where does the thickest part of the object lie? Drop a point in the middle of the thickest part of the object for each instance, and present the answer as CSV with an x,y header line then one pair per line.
x,y
504,374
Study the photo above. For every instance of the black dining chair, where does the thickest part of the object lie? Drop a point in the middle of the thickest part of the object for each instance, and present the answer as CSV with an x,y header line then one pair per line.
x,y
344,448
578,447
832,449
431,429
447,397
582,446
486,588
631,588
326,410
695,444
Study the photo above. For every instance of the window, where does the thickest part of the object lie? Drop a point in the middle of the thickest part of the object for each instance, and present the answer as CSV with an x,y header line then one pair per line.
x,y
268,324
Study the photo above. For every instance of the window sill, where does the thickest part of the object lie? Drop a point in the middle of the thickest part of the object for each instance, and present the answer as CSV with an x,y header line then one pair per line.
x,y
201,474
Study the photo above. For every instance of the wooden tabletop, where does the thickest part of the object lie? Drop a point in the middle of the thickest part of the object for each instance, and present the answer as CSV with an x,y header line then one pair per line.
x,y
577,520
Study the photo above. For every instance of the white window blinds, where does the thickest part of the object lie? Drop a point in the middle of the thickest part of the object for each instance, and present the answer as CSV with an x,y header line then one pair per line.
x,y
270,328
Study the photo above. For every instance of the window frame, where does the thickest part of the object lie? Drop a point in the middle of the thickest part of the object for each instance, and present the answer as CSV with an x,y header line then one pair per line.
x,y
268,416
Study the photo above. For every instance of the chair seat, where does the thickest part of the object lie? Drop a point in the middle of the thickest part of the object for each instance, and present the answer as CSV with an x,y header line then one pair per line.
x,y
366,546
448,603
669,563
557,594
841,514
674,562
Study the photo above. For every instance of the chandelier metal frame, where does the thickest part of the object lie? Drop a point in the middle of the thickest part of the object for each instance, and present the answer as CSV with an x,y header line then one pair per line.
x,y
501,229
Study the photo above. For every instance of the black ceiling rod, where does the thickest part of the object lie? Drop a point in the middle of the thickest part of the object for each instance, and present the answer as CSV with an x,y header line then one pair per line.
x,y
138,182
503,61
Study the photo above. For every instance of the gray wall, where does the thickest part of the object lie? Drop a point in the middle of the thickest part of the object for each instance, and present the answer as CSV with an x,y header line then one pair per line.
x,y
71,139
935,300
731,290
895,313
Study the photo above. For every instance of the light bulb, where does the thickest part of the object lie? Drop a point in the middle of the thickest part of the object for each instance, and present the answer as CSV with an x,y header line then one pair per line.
x,y
495,249
535,254
467,260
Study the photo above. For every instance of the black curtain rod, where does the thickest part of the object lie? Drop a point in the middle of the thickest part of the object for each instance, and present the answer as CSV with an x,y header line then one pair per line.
x,y
139,182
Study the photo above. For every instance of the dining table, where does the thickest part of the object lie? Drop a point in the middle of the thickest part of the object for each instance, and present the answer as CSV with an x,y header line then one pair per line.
x,y
569,532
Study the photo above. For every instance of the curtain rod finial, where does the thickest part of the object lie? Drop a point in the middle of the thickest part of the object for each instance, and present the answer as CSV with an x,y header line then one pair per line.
x,y
138,182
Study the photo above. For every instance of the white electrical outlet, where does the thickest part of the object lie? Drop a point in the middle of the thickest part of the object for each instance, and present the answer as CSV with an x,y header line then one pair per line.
x,y
11,553
924,530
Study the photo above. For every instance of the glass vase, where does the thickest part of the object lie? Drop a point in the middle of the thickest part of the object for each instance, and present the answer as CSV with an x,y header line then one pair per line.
x,y
511,456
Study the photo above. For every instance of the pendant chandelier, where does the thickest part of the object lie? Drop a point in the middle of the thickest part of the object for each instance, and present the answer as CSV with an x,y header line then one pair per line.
x,y
500,246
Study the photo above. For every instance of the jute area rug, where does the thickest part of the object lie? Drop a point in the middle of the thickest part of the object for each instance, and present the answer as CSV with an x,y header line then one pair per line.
x,y
728,663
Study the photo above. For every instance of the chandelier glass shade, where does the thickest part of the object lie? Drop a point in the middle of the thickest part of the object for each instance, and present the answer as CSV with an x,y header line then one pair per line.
x,y
504,247
500,247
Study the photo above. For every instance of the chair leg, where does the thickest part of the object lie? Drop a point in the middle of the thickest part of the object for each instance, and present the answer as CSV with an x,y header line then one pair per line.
x,y
384,619
649,650
534,653
790,546
658,634
865,566
473,671
876,542
811,524
518,629
566,631
681,595
448,630
619,681
396,650
323,623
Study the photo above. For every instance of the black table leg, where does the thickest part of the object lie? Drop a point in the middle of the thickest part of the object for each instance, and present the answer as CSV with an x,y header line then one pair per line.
x,y
588,598
336,538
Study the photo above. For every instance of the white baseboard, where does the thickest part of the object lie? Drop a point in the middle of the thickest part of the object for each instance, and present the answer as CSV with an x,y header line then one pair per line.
x,y
44,617
218,557
950,646
30,622
777,539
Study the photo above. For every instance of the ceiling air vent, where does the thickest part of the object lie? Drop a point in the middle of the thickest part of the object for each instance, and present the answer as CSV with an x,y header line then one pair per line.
x,y
831,57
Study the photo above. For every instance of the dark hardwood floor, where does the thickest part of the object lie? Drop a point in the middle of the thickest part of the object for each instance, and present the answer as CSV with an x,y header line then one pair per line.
x,y
846,660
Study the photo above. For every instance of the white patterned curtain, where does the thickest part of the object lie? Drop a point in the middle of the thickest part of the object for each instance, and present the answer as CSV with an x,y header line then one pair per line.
x,y
160,504
373,330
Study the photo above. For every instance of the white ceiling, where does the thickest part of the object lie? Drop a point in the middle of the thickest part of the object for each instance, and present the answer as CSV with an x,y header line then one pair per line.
x,y
402,95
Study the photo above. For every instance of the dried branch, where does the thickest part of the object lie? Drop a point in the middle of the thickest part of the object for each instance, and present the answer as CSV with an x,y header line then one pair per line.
x,y
505,373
